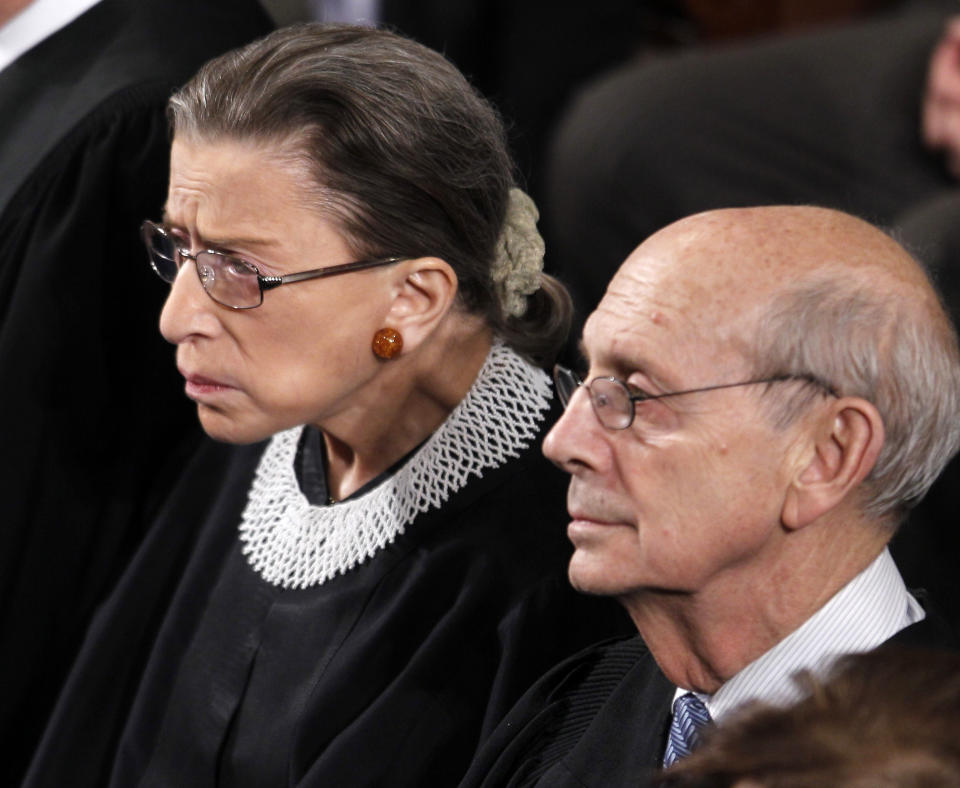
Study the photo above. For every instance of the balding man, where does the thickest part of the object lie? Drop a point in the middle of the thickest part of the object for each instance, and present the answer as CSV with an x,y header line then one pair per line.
x,y
769,390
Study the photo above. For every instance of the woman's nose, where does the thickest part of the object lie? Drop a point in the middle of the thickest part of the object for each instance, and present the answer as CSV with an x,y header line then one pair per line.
x,y
188,309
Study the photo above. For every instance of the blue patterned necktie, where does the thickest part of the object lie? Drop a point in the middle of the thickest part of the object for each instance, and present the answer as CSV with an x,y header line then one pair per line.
x,y
689,716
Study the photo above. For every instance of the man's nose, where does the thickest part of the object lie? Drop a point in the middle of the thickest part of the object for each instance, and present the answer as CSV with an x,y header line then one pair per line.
x,y
576,440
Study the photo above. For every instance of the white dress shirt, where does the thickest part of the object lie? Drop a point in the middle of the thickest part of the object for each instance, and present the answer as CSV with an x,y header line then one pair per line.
x,y
39,20
867,611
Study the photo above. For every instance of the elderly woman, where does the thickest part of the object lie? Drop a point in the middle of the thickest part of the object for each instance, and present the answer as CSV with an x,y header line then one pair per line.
x,y
356,600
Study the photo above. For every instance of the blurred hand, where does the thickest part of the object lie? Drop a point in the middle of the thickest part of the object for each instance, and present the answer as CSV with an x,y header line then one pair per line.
x,y
941,102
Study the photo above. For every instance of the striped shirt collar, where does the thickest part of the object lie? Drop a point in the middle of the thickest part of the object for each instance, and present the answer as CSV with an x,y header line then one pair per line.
x,y
870,609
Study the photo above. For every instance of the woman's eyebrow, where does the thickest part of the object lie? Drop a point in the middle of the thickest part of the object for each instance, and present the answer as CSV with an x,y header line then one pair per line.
x,y
227,242
236,241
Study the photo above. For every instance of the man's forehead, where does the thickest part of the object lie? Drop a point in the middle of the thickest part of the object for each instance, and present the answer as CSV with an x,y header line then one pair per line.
x,y
699,265
683,287
672,288
641,328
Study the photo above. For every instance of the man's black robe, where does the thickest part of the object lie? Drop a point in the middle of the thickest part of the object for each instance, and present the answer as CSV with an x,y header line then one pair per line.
x,y
600,719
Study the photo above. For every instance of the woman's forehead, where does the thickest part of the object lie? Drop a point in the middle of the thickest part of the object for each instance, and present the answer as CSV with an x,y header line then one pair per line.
x,y
236,188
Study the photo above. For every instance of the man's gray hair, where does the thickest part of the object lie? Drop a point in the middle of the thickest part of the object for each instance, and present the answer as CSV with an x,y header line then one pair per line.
x,y
891,351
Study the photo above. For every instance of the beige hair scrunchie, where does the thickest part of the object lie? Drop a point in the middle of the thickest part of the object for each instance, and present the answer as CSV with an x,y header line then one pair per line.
x,y
519,263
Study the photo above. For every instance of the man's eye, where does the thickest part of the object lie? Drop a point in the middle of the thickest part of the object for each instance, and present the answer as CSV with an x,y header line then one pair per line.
x,y
601,400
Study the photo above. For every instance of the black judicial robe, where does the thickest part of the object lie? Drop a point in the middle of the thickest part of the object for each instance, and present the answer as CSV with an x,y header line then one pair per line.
x,y
91,412
600,719
389,674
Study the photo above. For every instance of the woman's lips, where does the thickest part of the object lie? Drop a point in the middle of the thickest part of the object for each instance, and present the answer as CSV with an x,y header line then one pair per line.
x,y
200,387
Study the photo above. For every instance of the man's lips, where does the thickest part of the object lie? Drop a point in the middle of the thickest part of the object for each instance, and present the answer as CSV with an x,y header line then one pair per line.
x,y
592,520
586,528
590,506
585,532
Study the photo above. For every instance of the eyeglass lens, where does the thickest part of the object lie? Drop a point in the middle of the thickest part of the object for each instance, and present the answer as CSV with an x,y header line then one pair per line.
x,y
163,253
227,280
609,397
611,403
566,382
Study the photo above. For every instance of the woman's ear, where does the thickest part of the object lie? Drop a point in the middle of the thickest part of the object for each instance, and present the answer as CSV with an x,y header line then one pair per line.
x,y
424,290
843,448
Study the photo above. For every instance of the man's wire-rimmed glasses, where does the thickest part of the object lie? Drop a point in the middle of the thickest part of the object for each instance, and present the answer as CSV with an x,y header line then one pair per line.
x,y
615,404
229,280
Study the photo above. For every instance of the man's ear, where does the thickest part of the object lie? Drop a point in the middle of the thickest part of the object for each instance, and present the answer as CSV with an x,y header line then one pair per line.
x,y
843,448
423,292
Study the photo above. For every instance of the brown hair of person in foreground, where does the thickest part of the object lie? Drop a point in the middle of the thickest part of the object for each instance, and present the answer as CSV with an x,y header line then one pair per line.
x,y
889,717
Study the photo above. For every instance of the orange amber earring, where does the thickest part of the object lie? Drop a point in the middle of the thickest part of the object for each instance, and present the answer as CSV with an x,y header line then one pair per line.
x,y
387,342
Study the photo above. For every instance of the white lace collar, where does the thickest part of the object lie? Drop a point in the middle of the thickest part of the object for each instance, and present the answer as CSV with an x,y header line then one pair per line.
x,y
293,544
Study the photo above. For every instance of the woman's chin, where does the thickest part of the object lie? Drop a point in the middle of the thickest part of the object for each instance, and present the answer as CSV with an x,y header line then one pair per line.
x,y
225,428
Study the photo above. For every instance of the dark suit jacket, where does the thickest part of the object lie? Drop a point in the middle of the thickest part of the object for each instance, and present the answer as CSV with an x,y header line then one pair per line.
x,y
599,720
91,411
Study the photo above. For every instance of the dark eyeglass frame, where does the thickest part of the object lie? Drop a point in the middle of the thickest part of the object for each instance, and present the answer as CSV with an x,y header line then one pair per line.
x,y
264,282
563,377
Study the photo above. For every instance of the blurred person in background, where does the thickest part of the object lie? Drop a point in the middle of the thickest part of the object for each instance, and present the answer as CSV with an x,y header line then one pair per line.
x,y
92,424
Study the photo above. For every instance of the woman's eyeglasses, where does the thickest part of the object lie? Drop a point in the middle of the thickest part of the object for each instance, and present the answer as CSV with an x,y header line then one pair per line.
x,y
230,281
